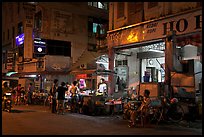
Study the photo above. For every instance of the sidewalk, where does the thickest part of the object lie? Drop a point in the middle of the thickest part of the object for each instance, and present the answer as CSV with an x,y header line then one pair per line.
x,y
197,124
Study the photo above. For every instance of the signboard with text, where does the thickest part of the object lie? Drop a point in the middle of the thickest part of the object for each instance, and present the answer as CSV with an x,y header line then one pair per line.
x,y
157,29
29,10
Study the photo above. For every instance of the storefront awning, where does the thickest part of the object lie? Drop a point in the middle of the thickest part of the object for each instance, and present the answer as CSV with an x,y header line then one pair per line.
x,y
27,74
86,57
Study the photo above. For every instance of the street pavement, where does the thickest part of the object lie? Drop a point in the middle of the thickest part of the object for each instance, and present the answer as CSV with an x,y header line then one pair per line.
x,y
38,120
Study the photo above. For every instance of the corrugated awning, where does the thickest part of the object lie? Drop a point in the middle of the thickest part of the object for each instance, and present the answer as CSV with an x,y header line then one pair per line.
x,y
86,57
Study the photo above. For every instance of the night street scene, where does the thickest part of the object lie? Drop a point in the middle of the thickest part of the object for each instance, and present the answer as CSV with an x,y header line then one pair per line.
x,y
101,68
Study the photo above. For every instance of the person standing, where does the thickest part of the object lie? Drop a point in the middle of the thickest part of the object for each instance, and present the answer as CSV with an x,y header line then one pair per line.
x,y
61,97
102,88
5,89
73,90
18,94
53,94
30,93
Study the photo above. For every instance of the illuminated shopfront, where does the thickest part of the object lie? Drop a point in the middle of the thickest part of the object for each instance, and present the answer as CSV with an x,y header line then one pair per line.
x,y
148,49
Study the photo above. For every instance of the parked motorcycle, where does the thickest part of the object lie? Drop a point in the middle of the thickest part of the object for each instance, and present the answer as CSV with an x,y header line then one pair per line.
x,y
7,102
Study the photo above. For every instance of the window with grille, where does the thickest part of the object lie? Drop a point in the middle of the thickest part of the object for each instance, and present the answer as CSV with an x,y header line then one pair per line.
x,y
100,5
93,23
121,63
120,10
152,4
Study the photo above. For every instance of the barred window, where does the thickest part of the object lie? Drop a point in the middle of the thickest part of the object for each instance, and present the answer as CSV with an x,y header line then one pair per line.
x,y
121,7
152,4
100,5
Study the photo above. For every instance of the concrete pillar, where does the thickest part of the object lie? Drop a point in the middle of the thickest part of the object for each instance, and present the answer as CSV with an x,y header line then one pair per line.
x,y
111,86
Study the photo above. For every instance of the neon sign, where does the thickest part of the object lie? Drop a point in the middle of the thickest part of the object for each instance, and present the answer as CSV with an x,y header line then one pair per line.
x,y
20,39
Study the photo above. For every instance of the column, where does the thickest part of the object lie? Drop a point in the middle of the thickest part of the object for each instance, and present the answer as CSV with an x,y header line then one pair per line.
x,y
111,86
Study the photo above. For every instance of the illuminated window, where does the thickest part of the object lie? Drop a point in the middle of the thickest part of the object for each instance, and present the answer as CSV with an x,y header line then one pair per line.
x,y
100,5
93,23
102,30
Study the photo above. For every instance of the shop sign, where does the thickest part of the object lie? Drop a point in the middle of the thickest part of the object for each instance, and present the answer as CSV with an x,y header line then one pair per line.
x,y
20,39
81,76
157,29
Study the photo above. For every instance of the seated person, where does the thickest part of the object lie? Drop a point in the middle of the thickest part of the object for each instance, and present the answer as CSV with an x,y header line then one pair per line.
x,y
142,108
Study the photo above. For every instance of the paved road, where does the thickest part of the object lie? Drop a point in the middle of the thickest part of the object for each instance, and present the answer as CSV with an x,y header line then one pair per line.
x,y
38,120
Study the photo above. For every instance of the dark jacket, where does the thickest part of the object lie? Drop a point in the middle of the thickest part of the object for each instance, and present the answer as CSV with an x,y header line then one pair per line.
x,y
61,93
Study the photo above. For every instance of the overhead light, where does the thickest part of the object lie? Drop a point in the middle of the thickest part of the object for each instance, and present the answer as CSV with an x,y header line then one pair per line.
x,y
32,76
100,62
10,73
39,49
156,51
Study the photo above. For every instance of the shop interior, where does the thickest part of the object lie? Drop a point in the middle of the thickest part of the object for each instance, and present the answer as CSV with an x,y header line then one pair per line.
x,y
140,64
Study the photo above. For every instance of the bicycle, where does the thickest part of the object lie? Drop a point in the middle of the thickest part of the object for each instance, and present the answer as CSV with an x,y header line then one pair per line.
x,y
170,110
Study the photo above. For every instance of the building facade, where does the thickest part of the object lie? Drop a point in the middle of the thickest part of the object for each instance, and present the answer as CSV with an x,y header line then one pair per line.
x,y
154,42
42,40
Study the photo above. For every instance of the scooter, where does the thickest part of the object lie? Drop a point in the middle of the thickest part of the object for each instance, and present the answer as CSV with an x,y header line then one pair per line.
x,y
7,102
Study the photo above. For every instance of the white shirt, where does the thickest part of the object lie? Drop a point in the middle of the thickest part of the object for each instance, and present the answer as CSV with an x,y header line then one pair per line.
x,y
102,88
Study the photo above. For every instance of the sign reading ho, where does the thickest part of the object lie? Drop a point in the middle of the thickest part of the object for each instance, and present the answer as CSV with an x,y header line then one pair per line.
x,y
157,29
